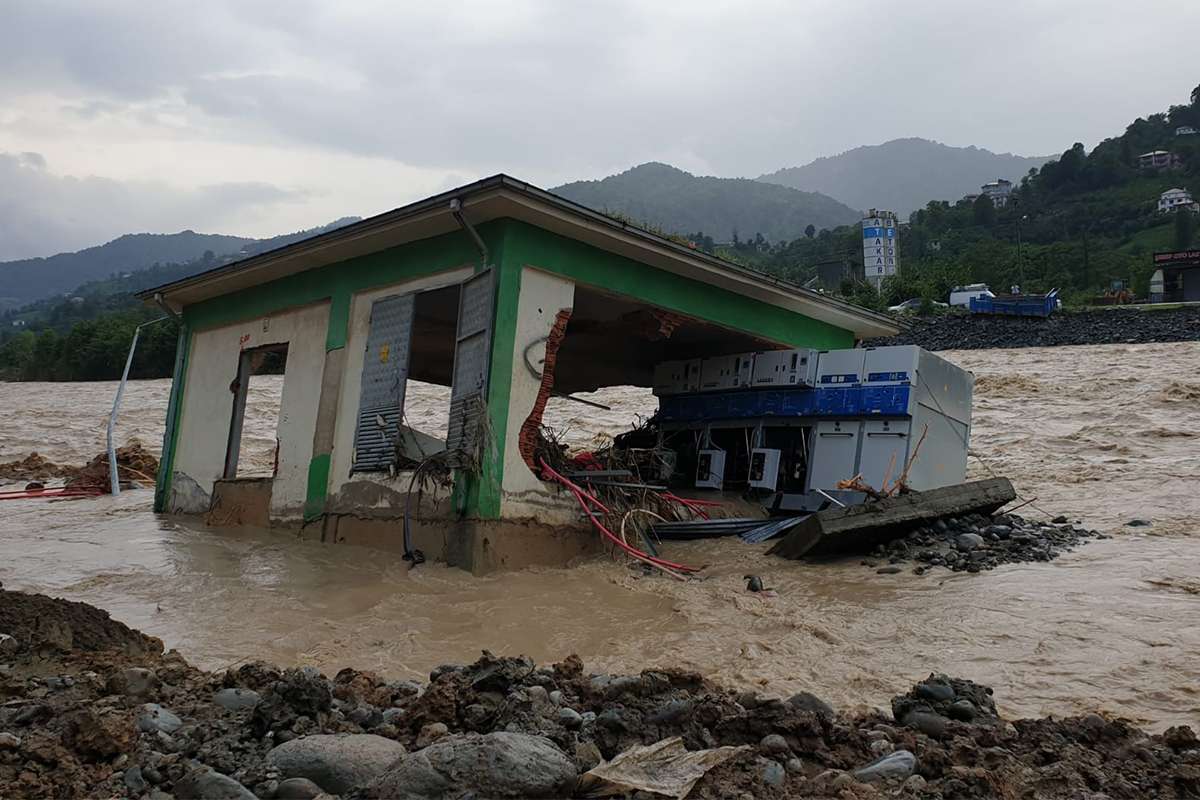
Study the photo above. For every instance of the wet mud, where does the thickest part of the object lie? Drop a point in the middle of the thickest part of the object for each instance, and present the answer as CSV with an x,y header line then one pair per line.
x,y
91,708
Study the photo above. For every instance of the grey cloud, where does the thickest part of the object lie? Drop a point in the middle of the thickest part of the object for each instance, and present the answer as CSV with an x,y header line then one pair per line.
x,y
121,49
546,88
42,213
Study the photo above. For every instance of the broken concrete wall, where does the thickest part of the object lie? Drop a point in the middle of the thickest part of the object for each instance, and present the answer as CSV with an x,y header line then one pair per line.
x,y
542,300
187,496
207,405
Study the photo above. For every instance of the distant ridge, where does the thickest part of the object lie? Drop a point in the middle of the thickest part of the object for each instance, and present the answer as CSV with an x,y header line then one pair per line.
x,y
904,174
31,279
679,202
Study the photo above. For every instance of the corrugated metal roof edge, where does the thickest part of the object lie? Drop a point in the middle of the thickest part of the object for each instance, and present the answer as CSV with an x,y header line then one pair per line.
x,y
501,180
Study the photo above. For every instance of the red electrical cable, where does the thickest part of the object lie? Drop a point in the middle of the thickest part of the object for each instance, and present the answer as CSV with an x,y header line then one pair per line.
x,y
691,504
583,497
581,494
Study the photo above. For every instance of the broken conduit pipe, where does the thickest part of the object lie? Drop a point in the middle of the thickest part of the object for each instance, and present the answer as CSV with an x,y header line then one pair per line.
x,y
113,477
457,210
161,302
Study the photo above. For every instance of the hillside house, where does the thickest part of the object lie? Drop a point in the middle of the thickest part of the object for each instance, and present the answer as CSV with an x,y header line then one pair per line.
x,y
998,191
1159,159
1177,200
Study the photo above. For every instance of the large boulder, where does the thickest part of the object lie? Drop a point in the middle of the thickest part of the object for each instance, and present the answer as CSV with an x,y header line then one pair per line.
x,y
497,765
335,762
205,784
895,766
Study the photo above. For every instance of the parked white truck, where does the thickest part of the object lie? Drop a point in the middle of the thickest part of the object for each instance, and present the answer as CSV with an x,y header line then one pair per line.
x,y
961,295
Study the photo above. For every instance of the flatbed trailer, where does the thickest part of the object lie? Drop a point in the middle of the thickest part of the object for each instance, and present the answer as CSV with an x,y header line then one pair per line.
x,y
1019,305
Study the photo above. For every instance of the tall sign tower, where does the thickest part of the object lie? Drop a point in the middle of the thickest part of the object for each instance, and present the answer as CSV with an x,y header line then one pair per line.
x,y
881,245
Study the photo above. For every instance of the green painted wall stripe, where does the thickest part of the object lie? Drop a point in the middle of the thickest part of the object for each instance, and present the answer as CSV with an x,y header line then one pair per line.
x,y
318,483
337,282
339,319
486,498
166,464
533,246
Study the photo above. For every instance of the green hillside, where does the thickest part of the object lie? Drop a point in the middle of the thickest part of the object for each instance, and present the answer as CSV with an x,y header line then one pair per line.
x,y
723,208
1077,224
85,334
903,174
34,278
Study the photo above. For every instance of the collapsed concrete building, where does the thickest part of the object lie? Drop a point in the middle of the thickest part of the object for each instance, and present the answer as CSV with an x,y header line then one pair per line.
x,y
499,290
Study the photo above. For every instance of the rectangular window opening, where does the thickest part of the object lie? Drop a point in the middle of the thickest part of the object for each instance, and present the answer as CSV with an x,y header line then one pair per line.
x,y
257,396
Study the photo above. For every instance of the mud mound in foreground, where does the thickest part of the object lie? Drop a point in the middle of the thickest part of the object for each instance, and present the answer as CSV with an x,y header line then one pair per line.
x,y
92,725
40,623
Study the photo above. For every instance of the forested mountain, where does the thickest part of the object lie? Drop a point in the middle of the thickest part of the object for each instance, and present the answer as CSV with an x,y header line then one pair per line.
x,y
722,208
86,335
35,278
904,174
1080,222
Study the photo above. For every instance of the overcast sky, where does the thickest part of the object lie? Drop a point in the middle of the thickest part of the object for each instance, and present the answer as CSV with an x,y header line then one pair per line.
x,y
257,118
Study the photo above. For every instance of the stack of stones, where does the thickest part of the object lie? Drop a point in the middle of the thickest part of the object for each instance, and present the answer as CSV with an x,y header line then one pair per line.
x,y
975,542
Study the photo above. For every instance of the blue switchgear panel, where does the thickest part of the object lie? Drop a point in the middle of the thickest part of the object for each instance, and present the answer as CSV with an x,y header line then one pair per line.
x,y
895,407
885,401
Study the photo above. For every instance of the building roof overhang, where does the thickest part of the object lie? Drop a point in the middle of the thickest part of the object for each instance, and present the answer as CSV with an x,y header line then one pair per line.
x,y
501,197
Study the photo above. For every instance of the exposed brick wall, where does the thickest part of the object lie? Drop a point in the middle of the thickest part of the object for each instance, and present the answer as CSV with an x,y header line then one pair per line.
x,y
527,440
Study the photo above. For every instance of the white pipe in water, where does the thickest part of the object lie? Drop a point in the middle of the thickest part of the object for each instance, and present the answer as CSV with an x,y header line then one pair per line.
x,y
113,477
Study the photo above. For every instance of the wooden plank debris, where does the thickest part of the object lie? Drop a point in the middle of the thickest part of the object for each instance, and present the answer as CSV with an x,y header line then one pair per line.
x,y
859,528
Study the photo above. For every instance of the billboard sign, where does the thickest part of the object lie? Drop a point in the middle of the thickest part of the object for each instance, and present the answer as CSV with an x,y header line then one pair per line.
x,y
880,245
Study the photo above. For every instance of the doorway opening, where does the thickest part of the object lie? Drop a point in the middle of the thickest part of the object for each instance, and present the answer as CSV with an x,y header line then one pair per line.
x,y
253,447
424,375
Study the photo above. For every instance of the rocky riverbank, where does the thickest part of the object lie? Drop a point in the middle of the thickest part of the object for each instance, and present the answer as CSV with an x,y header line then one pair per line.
x,y
90,708
960,331
975,543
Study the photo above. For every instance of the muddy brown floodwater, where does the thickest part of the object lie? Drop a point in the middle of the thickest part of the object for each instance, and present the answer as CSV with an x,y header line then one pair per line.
x,y
1103,433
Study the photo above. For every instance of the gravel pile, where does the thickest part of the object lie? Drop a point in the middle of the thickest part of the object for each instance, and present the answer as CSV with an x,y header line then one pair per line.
x,y
975,542
126,724
1112,326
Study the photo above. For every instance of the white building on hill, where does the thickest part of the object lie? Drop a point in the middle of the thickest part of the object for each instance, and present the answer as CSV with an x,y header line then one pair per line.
x,y
1176,200
999,191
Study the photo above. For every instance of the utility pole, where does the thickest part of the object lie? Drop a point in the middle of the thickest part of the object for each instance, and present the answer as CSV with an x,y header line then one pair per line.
x,y
1087,271
1020,257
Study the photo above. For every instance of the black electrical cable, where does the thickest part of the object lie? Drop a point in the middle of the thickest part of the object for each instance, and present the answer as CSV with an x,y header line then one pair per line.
x,y
415,556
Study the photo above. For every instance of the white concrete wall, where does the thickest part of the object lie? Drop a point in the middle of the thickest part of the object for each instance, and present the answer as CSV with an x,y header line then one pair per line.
x,y
208,403
342,457
522,494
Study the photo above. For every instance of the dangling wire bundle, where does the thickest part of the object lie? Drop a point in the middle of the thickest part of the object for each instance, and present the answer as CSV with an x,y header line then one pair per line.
x,y
590,505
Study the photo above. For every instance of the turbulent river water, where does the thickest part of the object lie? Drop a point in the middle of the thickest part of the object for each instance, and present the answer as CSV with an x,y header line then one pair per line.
x,y
1102,433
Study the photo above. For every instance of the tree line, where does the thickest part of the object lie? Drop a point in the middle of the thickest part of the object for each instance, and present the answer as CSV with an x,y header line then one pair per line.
x,y
92,350
1078,224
